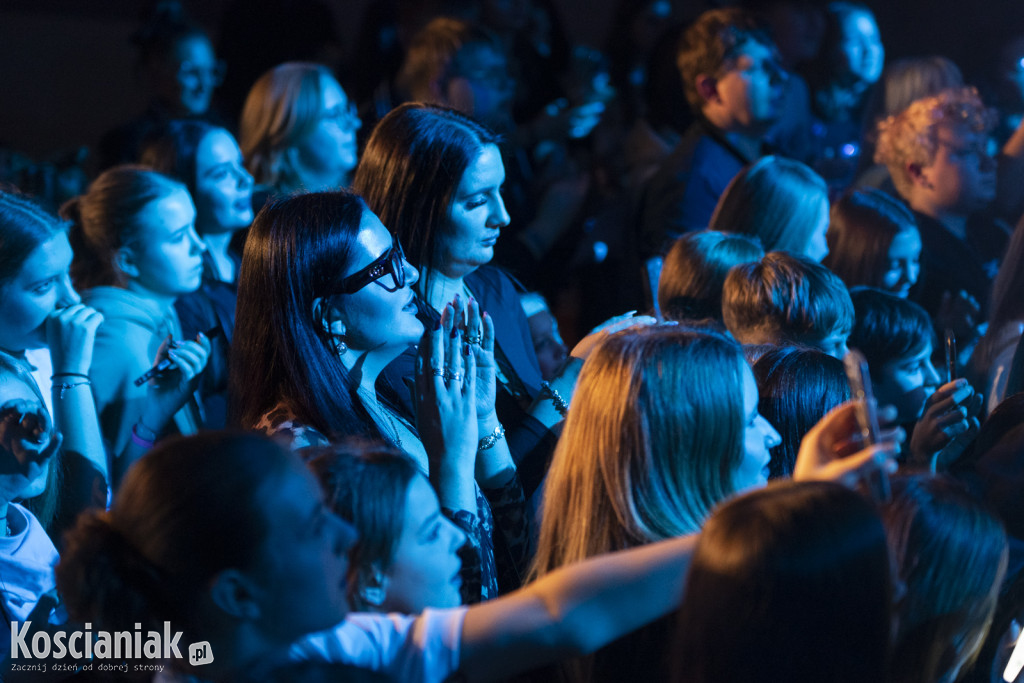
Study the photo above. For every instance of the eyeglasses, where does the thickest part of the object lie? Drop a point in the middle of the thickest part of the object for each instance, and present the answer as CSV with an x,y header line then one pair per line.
x,y
189,73
387,271
345,116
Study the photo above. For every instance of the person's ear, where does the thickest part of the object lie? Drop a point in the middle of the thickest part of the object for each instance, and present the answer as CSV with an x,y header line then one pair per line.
x,y
707,87
236,595
327,318
124,260
374,589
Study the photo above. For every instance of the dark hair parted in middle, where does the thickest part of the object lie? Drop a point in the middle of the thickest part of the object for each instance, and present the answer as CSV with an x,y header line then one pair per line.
x,y
297,251
411,167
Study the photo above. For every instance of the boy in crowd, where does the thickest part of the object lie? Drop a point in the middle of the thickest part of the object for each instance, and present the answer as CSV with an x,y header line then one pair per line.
x,y
787,299
731,79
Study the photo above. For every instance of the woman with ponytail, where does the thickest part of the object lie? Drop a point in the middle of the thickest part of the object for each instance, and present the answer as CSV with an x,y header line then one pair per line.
x,y
136,251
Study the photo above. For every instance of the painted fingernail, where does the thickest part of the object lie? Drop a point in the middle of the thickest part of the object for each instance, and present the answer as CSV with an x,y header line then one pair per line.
x,y
437,325
465,349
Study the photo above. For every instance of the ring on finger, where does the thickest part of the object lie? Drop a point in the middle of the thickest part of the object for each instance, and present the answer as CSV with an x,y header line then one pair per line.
x,y
438,372
453,376
473,339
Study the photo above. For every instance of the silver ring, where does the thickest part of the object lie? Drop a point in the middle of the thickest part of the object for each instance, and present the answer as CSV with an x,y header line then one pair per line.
x,y
437,372
473,339
453,376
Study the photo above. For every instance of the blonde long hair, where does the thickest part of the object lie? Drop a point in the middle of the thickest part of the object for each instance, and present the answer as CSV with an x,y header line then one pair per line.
x,y
650,445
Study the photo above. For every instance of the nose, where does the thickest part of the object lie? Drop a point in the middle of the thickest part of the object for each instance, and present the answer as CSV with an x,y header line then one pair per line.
x,y
772,438
457,537
412,275
931,375
245,179
68,295
499,217
198,245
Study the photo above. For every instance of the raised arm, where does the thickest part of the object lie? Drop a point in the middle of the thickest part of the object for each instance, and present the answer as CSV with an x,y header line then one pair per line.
x,y
574,610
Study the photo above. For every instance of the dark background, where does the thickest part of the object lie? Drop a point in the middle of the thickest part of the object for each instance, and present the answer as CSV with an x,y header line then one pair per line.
x,y
67,68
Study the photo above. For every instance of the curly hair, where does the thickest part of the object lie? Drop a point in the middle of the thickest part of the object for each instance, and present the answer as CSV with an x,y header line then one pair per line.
x,y
711,42
912,135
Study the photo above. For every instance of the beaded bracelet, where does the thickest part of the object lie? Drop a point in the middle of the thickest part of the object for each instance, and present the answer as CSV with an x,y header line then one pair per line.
x,y
494,437
548,391
64,386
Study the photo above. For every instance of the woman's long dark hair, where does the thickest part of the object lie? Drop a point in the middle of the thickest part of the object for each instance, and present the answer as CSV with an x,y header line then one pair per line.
x,y
409,173
298,248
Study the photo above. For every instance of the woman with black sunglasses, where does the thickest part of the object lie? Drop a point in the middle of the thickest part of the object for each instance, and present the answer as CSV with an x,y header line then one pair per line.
x,y
325,303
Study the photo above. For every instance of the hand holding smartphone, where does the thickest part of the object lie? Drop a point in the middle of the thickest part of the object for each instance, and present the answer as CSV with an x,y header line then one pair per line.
x,y
867,415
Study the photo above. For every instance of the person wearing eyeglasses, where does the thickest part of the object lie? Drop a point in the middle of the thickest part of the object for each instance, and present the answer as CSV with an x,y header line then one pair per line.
x,y
298,131
325,303
181,70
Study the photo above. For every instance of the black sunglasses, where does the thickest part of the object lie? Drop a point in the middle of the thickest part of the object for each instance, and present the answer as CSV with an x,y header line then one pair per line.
x,y
390,263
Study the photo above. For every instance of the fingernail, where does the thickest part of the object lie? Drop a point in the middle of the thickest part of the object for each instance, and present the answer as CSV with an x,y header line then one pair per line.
x,y
437,325
173,345
455,332
465,349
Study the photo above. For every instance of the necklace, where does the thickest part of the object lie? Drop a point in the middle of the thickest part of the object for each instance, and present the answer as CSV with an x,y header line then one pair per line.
x,y
382,410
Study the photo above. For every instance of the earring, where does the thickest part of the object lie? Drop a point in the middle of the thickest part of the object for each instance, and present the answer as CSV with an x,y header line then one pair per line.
x,y
338,343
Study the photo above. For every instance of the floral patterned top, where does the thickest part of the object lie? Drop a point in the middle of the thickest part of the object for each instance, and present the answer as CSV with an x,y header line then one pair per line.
x,y
492,563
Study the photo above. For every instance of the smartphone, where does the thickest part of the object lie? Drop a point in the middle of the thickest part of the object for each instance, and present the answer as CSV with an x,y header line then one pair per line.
x,y
867,415
950,355
168,364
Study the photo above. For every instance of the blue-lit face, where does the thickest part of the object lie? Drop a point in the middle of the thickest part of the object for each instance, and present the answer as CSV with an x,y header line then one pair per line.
x,y
758,437
42,286
906,383
303,564
861,46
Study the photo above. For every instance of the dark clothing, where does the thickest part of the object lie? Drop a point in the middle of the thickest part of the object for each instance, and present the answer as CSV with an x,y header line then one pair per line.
x,y
530,443
123,145
212,306
682,194
951,264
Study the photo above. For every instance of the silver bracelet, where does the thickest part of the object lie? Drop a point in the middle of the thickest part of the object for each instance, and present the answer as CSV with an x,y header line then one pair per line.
x,y
494,437
549,392
64,386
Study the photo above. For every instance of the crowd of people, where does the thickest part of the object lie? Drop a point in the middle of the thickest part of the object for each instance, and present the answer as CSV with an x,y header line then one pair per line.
x,y
289,373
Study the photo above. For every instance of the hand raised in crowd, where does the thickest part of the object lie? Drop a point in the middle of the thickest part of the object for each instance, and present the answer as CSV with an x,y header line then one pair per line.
x,y
948,424
169,390
479,337
446,398
70,334
834,450
960,312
